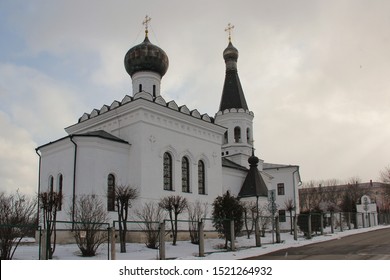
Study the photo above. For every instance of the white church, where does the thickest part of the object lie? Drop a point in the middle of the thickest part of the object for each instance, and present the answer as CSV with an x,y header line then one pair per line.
x,y
163,148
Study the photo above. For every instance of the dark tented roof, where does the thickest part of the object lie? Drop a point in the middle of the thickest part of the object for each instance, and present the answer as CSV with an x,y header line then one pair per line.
x,y
232,94
254,185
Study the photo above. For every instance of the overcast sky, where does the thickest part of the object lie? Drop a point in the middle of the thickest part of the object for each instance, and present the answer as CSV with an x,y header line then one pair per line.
x,y
316,74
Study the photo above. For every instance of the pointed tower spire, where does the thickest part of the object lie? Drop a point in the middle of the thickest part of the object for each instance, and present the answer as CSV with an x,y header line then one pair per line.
x,y
232,94
233,111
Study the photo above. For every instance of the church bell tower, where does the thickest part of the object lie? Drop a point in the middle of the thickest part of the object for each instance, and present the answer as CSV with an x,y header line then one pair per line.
x,y
233,111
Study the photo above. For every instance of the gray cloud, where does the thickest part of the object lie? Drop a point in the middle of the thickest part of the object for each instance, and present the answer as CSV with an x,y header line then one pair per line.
x,y
315,73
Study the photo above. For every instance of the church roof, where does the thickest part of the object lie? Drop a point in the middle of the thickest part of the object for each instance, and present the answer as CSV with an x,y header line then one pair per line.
x,y
254,185
230,164
146,96
146,57
99,133
275,166
102,134
232,94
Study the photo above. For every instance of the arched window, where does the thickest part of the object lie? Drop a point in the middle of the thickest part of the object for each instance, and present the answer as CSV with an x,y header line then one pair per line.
x,y
111,192
201,178
237,134
225,137
60,180
154,90
185,174
248,135
51,184
167,172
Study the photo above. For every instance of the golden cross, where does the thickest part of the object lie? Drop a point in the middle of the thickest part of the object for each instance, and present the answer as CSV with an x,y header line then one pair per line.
x,y
229,30
146,22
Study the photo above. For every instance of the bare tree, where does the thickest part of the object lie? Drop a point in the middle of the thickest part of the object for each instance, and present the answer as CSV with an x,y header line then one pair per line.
x,y
353,192
196,212
90,227
124,196
310,196
151,215
249,216
50,202
17,218
265,219
290,207
332,196
385,175
385,178
174,205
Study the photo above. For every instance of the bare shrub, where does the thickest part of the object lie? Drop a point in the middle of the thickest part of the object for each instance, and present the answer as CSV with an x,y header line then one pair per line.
x,y
249,216
90,227
196,212
17,217
151,215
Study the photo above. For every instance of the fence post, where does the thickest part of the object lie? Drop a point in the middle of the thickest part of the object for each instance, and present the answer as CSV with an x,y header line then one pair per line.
x,y
331,222
43,245
277,229
257,233
309,227
322,223
113,240
369,219
201,239
341,221
349,220
233,248
356,225
295,227
162,241
363,220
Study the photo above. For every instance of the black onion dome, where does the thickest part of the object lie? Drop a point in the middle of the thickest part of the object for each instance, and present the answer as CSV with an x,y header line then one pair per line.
x,y
230,53
146,57
253,160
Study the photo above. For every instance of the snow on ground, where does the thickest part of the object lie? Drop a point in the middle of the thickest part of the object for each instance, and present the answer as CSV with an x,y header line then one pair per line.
x,y
184,250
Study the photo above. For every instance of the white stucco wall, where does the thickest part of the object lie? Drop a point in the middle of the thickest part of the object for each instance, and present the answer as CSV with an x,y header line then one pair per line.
x,y
152,130
95,159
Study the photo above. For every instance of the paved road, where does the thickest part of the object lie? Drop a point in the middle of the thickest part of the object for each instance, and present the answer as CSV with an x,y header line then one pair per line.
x,y
374,245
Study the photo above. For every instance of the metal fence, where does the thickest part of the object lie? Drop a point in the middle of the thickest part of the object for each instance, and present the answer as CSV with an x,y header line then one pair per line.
x,y
156,234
